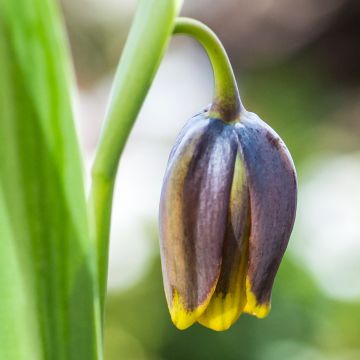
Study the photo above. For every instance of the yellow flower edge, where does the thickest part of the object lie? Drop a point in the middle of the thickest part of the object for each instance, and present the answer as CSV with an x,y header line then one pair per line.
x,y
252,307
218,312
222,312
183,317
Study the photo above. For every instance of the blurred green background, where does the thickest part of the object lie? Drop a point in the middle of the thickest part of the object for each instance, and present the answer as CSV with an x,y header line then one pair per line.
x,y
298,67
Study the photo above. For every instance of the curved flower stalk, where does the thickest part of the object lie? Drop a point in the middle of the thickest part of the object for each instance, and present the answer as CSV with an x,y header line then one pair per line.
x,y
227,206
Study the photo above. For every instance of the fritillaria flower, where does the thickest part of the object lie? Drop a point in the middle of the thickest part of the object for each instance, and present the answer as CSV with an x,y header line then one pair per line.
x,y
227,209
226,213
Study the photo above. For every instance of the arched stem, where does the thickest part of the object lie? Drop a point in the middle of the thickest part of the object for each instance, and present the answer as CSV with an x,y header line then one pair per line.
x,y
226,103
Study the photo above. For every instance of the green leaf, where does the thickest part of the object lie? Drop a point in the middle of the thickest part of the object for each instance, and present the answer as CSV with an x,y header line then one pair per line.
x,y
49,307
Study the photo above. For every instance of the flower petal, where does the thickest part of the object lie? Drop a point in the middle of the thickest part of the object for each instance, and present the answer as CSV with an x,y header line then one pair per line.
x,y
272,186
193,212
229,297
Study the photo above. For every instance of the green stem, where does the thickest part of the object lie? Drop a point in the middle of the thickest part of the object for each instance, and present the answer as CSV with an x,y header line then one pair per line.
x,y
226,103
148,38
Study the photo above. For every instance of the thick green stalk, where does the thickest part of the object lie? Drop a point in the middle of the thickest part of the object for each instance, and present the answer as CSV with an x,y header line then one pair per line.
x,y
226,103
144,49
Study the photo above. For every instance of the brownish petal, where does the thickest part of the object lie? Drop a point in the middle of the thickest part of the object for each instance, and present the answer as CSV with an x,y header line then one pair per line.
x,y
193,213
229,298
272,187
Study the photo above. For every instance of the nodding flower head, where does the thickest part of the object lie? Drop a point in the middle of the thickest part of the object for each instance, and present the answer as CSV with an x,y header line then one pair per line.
x,y
226,213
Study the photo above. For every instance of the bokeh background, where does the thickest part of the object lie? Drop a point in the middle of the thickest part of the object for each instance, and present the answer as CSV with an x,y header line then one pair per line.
x,y
298,67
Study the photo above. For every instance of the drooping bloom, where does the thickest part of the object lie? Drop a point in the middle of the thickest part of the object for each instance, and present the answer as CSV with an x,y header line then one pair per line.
x,y
226,213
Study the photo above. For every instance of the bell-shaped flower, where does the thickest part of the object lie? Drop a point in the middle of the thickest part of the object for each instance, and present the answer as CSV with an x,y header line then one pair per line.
x,y
226,213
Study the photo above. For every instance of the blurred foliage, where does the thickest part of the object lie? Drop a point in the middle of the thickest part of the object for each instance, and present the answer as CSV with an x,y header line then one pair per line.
x,y
302,318
283,96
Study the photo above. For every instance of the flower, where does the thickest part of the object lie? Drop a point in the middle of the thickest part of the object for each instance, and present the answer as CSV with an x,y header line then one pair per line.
x,y
227,209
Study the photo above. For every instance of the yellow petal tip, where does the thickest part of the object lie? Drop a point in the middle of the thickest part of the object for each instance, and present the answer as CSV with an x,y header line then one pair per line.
x,y
222,312
180,315
260,311
252,306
